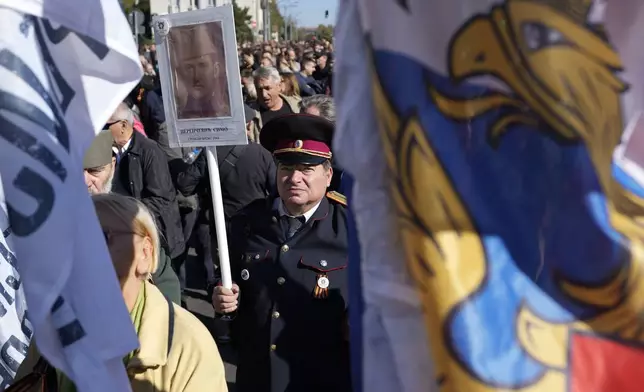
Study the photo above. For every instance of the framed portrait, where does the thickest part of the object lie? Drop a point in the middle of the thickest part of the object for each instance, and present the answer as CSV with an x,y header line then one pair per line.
x,y
199,75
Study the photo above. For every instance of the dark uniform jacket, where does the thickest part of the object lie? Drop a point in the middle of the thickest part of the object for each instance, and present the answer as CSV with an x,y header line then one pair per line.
x,y
251,176
290,337
143,173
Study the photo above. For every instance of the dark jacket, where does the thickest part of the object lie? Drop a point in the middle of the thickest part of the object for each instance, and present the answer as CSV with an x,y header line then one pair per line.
x,y
201,108
305,85
250,177
173,154
143,173
152,113
321,74
290,337
323,78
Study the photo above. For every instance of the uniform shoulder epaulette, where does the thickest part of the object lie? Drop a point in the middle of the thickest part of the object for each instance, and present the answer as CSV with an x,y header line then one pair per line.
x,y
337,197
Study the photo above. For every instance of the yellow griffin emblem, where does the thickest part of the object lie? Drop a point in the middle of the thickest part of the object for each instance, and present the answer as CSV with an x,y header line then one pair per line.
x,y
561,74
561,78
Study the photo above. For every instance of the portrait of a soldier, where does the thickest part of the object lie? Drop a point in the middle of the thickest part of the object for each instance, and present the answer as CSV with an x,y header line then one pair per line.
x,y
199,71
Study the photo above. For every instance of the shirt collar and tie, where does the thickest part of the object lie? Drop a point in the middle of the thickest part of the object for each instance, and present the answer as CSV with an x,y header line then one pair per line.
x,y
294,223
307,215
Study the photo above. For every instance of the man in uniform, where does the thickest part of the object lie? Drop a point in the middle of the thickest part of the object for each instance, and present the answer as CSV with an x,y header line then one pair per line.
x,y
202,89
289,258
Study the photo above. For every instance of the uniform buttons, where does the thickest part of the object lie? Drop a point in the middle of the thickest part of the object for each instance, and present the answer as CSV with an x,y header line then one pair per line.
x,y
284,248
257,257
281,281
276,315
273,347
274,219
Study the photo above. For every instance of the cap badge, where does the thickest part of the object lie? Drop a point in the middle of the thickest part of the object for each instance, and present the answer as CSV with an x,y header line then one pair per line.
x,y
298,144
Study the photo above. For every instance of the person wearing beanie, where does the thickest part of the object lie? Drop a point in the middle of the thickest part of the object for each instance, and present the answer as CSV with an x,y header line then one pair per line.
x,y
99,163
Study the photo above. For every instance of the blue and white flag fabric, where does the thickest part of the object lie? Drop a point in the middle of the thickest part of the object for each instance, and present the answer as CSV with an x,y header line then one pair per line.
x,y
501,232
15,328
65,66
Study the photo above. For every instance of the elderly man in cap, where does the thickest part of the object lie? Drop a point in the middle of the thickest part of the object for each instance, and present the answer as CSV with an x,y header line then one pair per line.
x,y
198,59
99,165
288,259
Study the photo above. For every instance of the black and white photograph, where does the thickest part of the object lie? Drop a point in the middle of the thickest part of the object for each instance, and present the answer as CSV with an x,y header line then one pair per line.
x,y
199,71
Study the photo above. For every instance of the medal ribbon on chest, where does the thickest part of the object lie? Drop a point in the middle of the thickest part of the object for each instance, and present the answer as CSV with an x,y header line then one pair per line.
x,y
321,289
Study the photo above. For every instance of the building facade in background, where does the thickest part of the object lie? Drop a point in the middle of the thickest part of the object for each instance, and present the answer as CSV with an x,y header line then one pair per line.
x,y
256,14
160,7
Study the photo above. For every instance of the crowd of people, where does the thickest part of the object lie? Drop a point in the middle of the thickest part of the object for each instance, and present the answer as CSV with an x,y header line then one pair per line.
x,y
305,68
286,314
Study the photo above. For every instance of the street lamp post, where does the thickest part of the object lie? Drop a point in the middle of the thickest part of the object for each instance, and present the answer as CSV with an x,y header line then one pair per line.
x,y
266,18
287,17
293,18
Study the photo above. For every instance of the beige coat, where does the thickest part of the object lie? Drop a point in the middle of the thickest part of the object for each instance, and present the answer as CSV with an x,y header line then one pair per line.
x,y
193,365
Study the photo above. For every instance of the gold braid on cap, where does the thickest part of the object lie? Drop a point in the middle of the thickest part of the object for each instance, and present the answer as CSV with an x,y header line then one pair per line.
x,y
576,10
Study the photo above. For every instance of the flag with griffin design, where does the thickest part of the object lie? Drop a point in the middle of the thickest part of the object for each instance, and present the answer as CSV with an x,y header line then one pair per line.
x,y
501,241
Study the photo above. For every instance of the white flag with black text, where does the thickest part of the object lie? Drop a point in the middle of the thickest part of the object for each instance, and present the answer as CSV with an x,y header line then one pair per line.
x,y
64,65
15,329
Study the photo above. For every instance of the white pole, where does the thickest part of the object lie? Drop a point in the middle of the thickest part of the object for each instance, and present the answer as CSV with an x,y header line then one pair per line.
x,y
220,220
